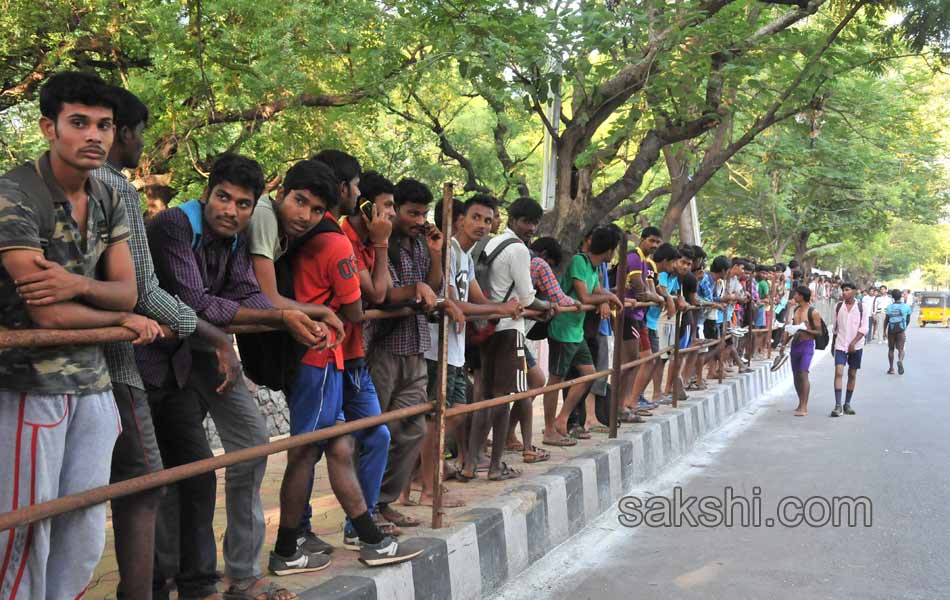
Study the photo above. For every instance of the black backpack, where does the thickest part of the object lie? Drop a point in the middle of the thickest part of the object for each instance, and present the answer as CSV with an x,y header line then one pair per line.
x,y
270,359
821,342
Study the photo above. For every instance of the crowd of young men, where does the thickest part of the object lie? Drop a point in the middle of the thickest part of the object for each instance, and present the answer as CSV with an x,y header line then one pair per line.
x,y
307,260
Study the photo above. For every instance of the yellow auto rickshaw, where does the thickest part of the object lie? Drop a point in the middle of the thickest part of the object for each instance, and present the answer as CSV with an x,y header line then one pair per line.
x,y
934,308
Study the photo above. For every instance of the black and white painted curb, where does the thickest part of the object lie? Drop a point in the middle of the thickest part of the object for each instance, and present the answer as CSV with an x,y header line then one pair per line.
x,y
492,543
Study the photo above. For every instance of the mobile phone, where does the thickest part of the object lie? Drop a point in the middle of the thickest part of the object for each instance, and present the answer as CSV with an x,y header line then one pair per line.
x,y
366,207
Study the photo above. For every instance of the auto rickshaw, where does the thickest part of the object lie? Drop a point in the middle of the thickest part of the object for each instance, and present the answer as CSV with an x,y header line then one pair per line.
x,y
934,308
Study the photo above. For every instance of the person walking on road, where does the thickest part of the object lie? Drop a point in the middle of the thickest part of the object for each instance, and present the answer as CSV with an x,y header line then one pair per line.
x,y
805,328
850,330
898,320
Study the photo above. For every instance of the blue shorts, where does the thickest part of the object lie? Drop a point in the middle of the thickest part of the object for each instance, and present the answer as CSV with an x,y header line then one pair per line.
x,y
529,358
801,354
359,394
316,400
852,359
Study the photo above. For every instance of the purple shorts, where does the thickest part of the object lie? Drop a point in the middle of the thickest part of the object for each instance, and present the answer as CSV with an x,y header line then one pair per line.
x,y
801,355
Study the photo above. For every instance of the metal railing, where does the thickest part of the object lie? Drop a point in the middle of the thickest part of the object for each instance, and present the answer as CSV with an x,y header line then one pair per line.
x,y
39,337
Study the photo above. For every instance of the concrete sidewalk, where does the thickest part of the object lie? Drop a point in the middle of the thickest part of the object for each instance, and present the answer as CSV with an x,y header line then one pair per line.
x,y
506,525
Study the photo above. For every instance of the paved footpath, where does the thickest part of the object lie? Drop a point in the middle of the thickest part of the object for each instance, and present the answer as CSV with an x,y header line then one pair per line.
x,y
895,451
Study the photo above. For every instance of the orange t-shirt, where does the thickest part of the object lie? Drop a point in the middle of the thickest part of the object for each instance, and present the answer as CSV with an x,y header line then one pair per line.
x,y
365,259
325,272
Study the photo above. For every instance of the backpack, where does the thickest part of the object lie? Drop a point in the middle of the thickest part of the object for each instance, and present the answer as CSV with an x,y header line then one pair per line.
x,y
27,179
271,358
896,323
821,342
480,330
192,210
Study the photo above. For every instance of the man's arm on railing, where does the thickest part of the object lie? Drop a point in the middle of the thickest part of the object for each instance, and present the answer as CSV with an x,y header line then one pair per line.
x,y
73,315
51,282
267,278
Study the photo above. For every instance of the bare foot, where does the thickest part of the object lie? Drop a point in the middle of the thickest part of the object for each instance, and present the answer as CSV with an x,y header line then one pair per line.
x,y
801,413
264,589
447,501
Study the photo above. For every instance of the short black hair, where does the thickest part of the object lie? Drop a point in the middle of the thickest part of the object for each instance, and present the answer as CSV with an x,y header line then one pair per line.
x,y
651,232
896,294
804,292
373,184
238,170
129,111
721,264
793,264
687,251
458,209
666,251
75,87
603,239
848,285
700,253
480,200
344,166
525,208
412,191
780,267
761,269
316,178
550,248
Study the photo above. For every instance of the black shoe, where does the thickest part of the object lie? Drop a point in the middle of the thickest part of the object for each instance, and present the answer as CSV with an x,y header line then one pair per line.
x,y
311,544
836,412
900,367
300,562
387,552
848,410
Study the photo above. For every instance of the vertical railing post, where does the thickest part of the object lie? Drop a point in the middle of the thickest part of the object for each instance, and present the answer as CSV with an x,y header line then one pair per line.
x,y
675,363
616,393
722,352
768,325
443,368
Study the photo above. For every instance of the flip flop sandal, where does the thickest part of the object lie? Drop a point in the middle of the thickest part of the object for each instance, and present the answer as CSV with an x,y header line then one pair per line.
x,y
461,477
506,473
561,441
642,412
632,418
579,433
779,361
237,592
514,447
535,455
599,429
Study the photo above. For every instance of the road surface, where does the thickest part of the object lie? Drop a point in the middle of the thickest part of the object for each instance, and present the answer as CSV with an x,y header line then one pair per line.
x,y
895,453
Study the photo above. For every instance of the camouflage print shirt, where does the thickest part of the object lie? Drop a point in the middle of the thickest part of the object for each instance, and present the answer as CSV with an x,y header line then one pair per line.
x,y
62,369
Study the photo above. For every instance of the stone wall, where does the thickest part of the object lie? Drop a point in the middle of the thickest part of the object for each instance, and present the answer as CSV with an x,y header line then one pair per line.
x,y
273,405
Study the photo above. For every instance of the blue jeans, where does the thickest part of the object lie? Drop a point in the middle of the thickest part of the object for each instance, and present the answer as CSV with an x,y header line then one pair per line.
x,y
360,401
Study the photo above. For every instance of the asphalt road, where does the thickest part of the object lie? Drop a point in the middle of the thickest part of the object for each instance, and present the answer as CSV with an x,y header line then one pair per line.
x,y
895,452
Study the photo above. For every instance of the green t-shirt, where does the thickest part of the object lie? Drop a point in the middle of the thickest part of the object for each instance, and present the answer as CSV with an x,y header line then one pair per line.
x,y
569,327
763,291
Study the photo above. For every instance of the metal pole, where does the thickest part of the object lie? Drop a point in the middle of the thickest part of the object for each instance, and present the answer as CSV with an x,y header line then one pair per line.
x,y
675,363
722,353
443,369
616,394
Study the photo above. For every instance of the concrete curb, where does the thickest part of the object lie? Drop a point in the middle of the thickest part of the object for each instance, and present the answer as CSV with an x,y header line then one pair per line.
x,y
495,541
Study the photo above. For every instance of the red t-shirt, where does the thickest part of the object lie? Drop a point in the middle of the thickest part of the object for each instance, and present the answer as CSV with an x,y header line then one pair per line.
x,y
365,259
325,273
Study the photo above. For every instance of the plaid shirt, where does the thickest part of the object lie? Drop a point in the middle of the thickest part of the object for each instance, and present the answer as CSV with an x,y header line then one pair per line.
x,y
410,335
215,279
154,302
543,279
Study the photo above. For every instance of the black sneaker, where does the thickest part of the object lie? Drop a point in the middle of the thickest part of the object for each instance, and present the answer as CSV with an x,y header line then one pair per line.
x,y
836,412
900,367
848,410
300,562
311,544
387,552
